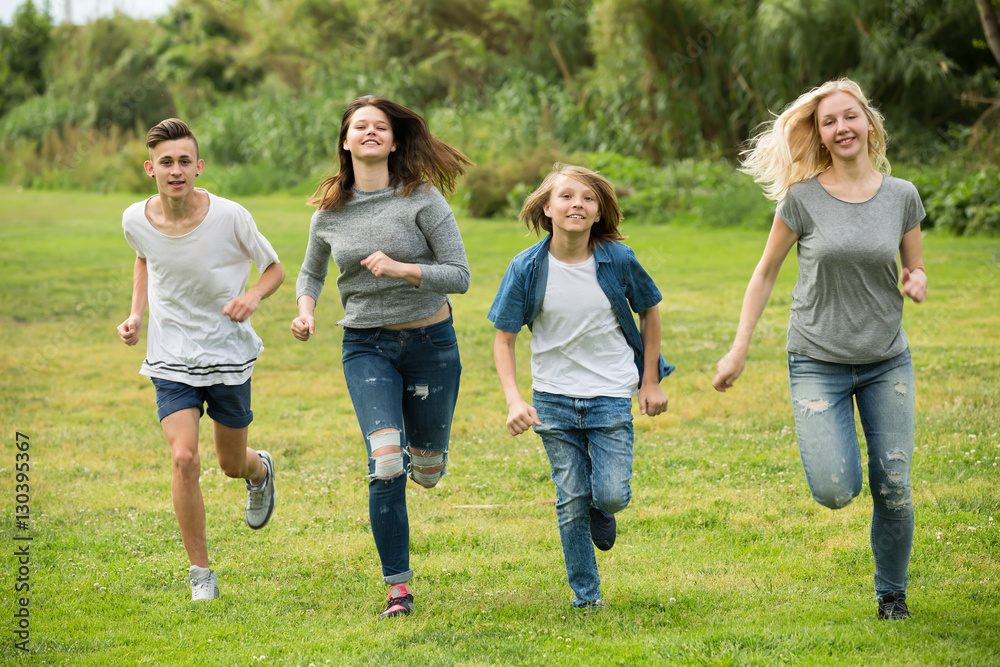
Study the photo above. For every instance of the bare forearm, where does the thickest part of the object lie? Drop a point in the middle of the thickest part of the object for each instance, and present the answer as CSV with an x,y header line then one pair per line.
x,y
140,287
269,281
506,364
754,301
650,331
307,306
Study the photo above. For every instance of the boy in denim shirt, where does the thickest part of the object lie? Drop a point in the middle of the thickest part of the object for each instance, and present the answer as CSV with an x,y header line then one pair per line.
x,y
576,291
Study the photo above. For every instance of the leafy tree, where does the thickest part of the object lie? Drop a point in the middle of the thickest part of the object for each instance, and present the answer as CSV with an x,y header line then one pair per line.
x,y
123,86
709,72
23,49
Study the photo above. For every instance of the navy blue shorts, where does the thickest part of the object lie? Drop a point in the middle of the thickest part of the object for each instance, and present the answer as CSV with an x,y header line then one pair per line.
x,y
228,405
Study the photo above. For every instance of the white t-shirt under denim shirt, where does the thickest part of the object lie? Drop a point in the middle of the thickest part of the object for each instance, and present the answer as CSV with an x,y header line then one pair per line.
x,y
846,305
577,345
191,279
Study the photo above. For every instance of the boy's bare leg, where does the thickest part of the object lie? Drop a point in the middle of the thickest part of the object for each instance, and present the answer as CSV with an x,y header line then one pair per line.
x,y
235,459
181,430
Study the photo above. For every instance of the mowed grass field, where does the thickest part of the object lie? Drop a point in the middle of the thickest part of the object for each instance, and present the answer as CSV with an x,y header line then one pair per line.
x,y
722,557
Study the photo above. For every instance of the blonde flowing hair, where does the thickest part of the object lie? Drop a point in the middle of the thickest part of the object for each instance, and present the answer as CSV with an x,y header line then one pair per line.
x,y
788,149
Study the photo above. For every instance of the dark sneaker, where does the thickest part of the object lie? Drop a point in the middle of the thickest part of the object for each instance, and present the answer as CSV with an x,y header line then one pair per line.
x,y
592,607
892,607
602,529
261,499
400,602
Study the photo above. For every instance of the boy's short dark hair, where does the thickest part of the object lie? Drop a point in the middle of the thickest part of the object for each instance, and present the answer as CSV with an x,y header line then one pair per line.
x,y
168,130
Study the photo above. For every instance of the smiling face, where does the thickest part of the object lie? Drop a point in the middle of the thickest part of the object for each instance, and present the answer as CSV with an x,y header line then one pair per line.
x,y
369,135
174,164
572,207
843,126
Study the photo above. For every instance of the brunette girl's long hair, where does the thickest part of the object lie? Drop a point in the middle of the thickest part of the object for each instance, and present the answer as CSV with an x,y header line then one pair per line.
x,y
420,157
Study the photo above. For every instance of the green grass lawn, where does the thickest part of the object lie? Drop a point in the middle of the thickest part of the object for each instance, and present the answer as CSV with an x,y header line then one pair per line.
x,y
722,557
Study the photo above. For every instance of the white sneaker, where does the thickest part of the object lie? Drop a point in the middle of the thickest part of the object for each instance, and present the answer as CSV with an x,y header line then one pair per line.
x,y
260,501
204,584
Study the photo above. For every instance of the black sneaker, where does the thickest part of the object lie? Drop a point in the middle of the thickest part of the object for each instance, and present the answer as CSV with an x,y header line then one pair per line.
x,y
892,606
602,529
592,607
400,602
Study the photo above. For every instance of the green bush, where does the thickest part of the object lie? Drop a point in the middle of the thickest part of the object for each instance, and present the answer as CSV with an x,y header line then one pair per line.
x,y
708,193
487,191
37,117
965,205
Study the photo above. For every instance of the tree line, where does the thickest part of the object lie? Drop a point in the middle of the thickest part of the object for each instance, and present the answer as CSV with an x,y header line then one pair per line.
x,y
508,81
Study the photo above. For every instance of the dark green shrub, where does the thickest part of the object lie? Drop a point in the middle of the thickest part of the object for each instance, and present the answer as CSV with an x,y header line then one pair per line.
x,y
964,205
37,117
486,191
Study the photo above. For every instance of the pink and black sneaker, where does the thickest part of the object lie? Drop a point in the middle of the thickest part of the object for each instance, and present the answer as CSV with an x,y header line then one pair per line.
x,y
400,601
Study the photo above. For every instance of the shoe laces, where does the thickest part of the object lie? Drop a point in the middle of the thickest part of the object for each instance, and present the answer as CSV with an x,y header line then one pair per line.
x,y
895,608
204,585
398,606
256,497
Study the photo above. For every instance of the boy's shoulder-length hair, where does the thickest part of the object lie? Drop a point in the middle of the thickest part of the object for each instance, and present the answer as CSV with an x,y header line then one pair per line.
x,y
607,226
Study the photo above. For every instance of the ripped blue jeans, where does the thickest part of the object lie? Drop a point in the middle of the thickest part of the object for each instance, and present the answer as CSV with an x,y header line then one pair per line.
x,y
823,396
589,445
405,380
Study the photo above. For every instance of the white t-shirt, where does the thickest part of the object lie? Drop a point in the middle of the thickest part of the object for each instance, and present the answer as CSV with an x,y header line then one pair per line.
x,y
577,346
191,279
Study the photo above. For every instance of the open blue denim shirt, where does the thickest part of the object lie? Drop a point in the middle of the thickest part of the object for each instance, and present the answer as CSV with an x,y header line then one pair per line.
x,y
624,281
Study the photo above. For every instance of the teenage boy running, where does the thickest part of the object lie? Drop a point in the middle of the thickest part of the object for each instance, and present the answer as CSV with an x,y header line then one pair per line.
x,y
193,255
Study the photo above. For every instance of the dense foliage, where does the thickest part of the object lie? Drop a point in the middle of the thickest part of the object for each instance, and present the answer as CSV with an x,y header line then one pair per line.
x,y
513,83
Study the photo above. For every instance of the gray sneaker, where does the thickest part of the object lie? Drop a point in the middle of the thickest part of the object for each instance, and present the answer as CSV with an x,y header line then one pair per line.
x,y
260,500
204,583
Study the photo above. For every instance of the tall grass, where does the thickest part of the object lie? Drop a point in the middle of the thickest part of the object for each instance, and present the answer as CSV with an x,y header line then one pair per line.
x,y
722,557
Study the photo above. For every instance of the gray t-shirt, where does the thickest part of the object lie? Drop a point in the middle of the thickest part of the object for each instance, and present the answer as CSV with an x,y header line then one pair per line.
x,y
846,305
419,229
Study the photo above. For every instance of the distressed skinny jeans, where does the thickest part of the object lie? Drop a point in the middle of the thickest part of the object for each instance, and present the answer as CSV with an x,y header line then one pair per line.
x,y
822,394
405,380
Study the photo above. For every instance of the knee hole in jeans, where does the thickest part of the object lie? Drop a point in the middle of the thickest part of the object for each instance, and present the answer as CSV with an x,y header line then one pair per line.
x,y
387,454
426,467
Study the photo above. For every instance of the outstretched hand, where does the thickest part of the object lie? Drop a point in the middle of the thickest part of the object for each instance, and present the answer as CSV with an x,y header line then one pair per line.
x,y
914,284
729,368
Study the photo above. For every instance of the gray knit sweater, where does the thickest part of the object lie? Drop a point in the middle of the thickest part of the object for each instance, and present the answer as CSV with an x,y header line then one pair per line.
x,y
419,229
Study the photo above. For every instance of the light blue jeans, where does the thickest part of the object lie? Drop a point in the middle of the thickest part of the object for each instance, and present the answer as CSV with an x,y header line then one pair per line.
x,y
589,445
822,394
406,380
